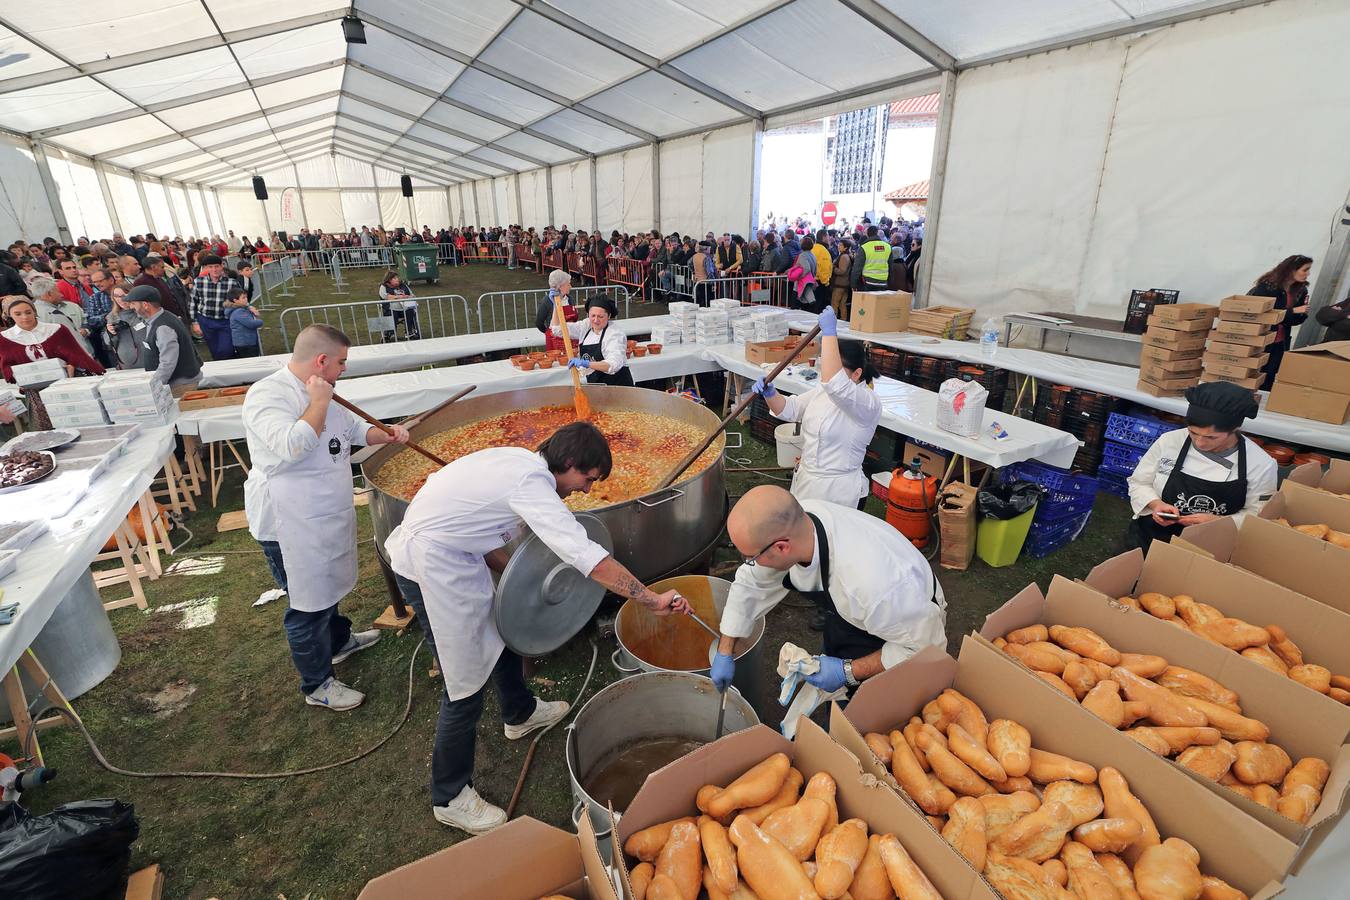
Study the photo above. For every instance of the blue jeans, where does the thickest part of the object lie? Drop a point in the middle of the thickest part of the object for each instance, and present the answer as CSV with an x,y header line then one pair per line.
x,y
313,636
216,333
457,724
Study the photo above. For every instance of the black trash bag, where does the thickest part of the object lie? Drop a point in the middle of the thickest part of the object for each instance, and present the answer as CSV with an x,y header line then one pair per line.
x,y
1008,501
78,851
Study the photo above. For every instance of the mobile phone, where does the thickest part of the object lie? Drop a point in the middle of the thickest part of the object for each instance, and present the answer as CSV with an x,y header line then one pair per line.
x,y
1167,515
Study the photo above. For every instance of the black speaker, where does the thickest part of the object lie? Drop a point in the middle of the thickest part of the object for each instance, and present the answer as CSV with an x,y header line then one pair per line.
x,y
405,182
259,188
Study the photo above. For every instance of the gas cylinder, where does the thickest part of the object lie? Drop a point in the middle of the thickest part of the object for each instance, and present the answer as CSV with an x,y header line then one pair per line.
x,y
910,502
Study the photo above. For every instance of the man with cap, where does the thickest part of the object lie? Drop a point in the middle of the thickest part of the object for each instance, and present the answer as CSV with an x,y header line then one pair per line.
x,y
166,344
882,601
210,314
1206,470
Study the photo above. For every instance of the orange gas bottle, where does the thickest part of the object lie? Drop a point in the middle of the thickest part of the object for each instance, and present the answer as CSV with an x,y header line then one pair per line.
x,y
910,503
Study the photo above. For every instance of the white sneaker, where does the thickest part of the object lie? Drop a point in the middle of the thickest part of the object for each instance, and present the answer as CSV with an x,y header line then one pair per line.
x,y
470,812
335,695
359,641
546,712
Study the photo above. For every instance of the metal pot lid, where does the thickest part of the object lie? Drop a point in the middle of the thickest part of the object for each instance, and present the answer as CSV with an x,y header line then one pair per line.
x,y
542,602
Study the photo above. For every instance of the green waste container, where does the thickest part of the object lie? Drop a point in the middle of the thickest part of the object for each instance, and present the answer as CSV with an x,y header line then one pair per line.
x,y
416,262
999,541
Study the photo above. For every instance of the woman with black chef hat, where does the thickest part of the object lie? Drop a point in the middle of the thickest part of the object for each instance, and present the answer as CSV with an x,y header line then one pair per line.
x,y
1206,470
602,348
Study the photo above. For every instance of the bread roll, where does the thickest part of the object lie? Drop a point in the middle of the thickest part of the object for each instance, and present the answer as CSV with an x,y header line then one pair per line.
x,y
1212,762
1085,642
646,844
1079,677
871,882
951,771
1037,836
1035,658
1288,652
1104,702
1233,726
719,853
1143,664
1108,835
1083,800
1189,683
770,870
1001,810
1120,803
880,745
1265,657
1234,634
965,748
1159,605
1057,683
787,795
1312,676
1164,707
1047,767
640,878
798,827
1010,744
907,879
965,830
1178,739
1212,888
681,860
1020,879
1147,738
1309,770
1087,879
1164,872
1028,635
1120,875
1260,763
1299,803
759,785
838,856
969,716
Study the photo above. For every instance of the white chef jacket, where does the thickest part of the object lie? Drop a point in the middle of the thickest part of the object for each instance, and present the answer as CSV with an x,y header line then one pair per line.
x,y
614,349
1151,474
839,419
470,507
879,582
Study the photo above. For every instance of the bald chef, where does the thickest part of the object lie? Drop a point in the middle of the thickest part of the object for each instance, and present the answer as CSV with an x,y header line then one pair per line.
x,y
882,600
298,498
454,532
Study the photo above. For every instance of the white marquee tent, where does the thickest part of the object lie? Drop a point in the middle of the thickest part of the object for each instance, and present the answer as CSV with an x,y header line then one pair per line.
x,y
1084,147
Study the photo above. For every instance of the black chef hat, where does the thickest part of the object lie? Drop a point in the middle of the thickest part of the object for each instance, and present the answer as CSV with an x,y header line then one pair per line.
x,y
1219,404
604,303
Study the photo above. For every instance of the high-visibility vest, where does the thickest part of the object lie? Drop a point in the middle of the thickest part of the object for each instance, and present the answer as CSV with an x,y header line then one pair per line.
x,y
876,261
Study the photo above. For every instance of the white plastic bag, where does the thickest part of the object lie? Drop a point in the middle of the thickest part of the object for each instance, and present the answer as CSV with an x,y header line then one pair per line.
x,y
960,407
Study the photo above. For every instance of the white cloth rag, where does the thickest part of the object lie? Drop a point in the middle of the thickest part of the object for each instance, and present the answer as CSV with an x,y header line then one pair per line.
x,y
268,596
794,664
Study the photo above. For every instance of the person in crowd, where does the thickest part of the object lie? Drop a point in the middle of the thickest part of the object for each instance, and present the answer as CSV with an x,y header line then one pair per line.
x,y
123,331
11,282
841,293
166,344
151,275
52,307
68,282
130,265
559,286
875,255
728,257
601,347
1199,473
209,315
245,323
912,263
244,275
396,303
752,257
27,339
802,278
1336,318
1288,284
776,258
96,310
703,269
824,267
792,245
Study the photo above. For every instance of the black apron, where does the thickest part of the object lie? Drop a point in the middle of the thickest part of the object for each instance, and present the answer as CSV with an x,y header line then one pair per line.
x,y
842,638
1191,495
593,353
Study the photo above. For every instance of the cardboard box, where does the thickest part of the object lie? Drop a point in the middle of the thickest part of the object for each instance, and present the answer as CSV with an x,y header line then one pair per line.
x,y
776,351
956,521
1274,317
1335,479
669,793
214,397
1184,312
1150,353
933,461
1240,370
1243,852
490,866
1168,339
1165,380
1251,382
1227,348
1257,341
1306,402
1319,366
1302,505
1154,390
1224,326
1323,633
1252,361
1245,303
1157,321
1294,714
879,312
1174,368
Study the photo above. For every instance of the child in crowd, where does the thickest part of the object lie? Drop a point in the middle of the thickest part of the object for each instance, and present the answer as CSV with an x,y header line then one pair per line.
x,y
244,324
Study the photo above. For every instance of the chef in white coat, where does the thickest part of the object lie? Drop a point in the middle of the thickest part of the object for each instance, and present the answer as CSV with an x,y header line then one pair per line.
x,y
452,536
298,498
883,602
602,348
839,417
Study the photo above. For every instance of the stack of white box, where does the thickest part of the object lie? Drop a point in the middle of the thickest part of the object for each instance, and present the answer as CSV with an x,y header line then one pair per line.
x,y
10,400
136,397
74,403
712,326
743,330
667,333
725,304
39,372
683,313
770,325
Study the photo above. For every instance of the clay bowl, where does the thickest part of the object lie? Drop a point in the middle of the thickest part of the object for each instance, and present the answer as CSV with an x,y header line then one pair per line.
x,y
638,352
527,364
654,349
631,345
518,358
539,354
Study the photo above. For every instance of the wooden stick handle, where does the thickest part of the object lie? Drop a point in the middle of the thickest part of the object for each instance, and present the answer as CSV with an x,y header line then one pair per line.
x,y
385,428
418,418
740,408
567,343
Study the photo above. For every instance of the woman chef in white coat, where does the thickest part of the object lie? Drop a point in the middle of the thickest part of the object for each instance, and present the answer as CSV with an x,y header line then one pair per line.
x,y
839,418
602,348
453,533
298,498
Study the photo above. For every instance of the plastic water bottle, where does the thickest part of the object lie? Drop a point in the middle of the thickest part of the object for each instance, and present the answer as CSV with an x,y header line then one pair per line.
x,y
989,336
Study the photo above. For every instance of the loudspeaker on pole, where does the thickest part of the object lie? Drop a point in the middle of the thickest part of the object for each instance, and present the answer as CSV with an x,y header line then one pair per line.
x,y
405,182
259,188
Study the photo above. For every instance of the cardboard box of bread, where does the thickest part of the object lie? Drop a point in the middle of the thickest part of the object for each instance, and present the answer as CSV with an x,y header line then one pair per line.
x,y
1077,806
1242,731
794,820
561,865
1317,515
1335,480
1314,383
760,352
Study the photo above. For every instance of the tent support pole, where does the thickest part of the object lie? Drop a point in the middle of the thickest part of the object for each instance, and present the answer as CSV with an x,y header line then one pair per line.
x,y
756,171
595,199
53,195
548,189
173,213
520,214
936,181
656,185
150,224
108,197
1330,286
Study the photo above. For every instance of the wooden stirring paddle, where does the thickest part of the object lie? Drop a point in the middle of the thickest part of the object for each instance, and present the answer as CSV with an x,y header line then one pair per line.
x,y
583,405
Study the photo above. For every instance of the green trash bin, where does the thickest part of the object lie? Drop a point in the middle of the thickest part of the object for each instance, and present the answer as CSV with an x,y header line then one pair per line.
x,y
999,541
416,262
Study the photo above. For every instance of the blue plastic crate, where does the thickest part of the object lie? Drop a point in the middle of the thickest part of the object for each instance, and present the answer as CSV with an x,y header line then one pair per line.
x,y
1115,483
1121,457
1061,486
1053,513
1043,542
1136,431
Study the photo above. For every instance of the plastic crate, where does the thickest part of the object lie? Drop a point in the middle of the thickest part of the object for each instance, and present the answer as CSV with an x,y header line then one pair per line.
x,y
1044,541
1135,431
1121,457
1053,512
1060,486
1114,483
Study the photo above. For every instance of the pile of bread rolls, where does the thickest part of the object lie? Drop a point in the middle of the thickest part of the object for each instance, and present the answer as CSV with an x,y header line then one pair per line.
x,y
1040,826
1183,714
1270,646
1321,532
766,836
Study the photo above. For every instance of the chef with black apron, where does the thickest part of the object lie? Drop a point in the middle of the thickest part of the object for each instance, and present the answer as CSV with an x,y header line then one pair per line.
x,y
882,601
1206,470
602,349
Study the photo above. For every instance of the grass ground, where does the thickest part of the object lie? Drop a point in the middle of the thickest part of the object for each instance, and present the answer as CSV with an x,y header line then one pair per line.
x,y
225,697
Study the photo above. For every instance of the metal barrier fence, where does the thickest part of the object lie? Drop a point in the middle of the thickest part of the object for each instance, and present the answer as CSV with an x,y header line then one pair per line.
x,y
632,273
275,278
670,279
397,320
506,310
758,289
485,251
554,259
583,266
527,258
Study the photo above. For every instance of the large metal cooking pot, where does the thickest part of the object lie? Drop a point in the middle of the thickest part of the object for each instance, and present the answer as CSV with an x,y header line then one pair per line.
x,y
657,535
650,706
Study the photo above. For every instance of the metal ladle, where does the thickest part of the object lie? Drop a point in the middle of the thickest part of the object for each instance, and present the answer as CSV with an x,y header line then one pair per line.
x,y
722,706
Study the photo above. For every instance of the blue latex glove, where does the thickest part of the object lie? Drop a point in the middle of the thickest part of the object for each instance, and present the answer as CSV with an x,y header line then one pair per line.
x,y
829,322
577,362
764,390
831,675
723,668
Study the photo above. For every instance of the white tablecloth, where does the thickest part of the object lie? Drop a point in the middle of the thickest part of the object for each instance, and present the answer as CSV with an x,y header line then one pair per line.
x,y
1118,381
378,359
912,411
49,567
404,393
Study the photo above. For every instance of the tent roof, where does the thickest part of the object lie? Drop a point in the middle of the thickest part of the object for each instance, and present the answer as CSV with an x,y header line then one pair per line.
x,y
211,91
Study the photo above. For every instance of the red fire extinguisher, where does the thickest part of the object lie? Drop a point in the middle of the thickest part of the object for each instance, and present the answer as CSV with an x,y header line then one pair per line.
x,y
909,505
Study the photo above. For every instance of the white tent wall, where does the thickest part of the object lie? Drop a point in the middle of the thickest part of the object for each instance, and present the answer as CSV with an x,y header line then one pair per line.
x,y
323,210
178,201
242,212
127,200
1153,161
194,198
481,212
572,195
637,191
609,192
360,208
430,207
24,210
80,195
504,196
159,206
394,209
706,181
